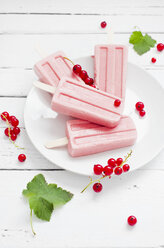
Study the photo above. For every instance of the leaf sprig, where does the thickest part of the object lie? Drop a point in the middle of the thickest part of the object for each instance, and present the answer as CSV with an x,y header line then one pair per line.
x,y
141,43
44,198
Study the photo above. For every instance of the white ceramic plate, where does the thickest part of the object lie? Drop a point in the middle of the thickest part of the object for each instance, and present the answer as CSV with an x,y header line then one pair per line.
x,y
43,124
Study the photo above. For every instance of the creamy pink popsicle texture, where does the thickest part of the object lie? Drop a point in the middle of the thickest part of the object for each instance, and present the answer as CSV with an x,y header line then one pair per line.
x,y
82,101
51,69
85,138
111,68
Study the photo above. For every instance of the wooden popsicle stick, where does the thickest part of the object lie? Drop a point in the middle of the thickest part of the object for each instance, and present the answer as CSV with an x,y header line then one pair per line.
x,y
45,87
110,35
56,143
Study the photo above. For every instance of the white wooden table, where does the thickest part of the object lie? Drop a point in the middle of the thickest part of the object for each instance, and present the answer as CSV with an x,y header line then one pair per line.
x,y
89,220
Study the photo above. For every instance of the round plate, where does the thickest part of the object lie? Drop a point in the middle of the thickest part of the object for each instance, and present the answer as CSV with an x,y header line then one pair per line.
x,y
43,124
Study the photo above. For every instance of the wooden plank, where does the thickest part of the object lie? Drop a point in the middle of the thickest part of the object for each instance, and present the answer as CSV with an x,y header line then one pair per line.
x,y
22,79
101,219
51,24
21,48
115,7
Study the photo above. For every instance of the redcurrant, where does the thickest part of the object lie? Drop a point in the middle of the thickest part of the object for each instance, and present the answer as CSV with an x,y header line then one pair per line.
x,y
126,167
112,162
77,69
5,114
139,106
119,161
98,169
22,157
108,170
103,24
117,103
132,220
160,47
142,113
97,187
118,171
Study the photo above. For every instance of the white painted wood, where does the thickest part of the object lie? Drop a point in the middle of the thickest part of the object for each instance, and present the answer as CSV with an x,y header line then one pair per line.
x,y
56,143
22,48
51,24
114,7
89,220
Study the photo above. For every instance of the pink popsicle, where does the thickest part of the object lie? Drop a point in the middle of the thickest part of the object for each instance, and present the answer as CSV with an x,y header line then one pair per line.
x,y
51,69
81,101
111,68
85,138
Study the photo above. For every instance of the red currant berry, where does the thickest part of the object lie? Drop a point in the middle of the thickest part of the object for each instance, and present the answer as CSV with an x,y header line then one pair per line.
x,y
108,170
117,103
16,130
126,167
13,136
11,118
88,81
132,220
153,60
112,162
83,74
22,157
7,132
5,114
142,113
97,187
77,69
98,169
118,171
119,161
14,122
139,106
103,24
160,47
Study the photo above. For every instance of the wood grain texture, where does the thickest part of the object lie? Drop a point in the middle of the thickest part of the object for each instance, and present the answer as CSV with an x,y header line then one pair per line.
x,y
89,220
114,7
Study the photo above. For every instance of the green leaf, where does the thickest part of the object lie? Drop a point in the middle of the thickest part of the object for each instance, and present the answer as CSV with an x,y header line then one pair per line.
x,y
141,47
142,44
43,197
135,37
149,40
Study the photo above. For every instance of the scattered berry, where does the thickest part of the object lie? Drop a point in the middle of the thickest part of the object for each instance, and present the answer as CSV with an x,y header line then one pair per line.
x,y
22,157
119,161
132,220
108,170
97,187
89,81
142,113
83,74
16,130
112,162
77,69
103,24
117,103
14,122
98,169
153,60
7,132
126,167
139,106
6,114
160,47
118,171
13,136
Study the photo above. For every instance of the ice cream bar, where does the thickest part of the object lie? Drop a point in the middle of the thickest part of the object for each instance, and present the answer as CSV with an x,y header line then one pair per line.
x,y
110,64
52,68
85,138
82,101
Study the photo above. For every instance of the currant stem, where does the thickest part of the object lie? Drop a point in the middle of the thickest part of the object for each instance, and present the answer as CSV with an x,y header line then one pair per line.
x,y
8,124
31,223
93,181
69,60
99,179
